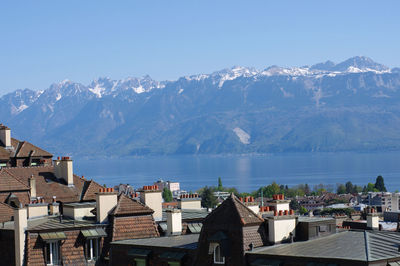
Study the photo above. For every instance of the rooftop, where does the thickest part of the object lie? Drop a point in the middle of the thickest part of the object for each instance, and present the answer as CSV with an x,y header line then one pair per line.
x,y
188,214
53,223
182,241
306,219
347,245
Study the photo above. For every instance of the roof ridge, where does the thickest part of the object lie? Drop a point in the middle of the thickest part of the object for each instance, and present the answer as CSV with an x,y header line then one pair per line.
x,y
20,144
236,200
5,204
366,245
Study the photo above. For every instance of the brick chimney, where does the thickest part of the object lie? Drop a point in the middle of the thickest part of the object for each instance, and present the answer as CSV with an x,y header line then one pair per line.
x,y
174,222
151,196
64,169
106,200
20,225
5,136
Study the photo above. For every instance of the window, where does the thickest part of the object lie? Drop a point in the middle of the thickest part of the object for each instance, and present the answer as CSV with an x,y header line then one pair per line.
x,y
140,262
92,248
53,253
218,258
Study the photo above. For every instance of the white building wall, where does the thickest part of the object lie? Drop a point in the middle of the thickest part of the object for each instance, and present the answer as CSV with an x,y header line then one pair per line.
x,y
280,229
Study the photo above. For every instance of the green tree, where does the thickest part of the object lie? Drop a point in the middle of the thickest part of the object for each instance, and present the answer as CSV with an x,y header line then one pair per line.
x,y
303,210
307,189
370,188
167,195
270,190
294,205
220,187
349,187
380,184
341,189
208,200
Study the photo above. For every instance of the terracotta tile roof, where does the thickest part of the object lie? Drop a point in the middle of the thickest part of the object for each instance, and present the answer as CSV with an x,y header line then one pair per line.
x,y
23,196
128,206
91,189
6,212
9,182
4,154
252,235
234,205
131,227
47,185
26,149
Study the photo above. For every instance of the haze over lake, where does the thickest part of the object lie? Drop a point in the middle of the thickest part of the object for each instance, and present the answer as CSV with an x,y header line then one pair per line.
x,y
246,172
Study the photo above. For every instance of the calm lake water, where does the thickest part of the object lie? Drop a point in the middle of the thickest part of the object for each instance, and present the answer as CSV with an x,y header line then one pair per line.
x,y
246,172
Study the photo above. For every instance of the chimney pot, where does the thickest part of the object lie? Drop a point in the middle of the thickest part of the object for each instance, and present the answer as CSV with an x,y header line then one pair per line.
x,y
280,213
286,212
275,213
291,212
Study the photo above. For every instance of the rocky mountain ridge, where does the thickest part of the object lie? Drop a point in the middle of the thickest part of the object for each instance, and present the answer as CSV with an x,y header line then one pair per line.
x,y
349,106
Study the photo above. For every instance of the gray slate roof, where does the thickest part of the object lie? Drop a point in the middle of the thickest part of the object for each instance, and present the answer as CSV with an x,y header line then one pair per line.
x,y
188,214
182,241
347,245
53,223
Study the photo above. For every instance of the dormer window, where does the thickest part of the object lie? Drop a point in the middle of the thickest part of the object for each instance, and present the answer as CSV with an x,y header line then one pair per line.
x,y
218,258
92,249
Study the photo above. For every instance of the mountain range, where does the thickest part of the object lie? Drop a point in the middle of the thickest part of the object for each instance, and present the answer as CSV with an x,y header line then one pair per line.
x,y
349,106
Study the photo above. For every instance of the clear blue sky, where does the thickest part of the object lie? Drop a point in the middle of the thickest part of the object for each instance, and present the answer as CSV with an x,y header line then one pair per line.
x,y
42,42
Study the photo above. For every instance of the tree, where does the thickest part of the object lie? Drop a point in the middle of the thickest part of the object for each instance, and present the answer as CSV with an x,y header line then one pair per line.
x,y
380,184
270,190
349,187
370,188
303,210
294,205
167,195
341,189
220,187
307,189
208,200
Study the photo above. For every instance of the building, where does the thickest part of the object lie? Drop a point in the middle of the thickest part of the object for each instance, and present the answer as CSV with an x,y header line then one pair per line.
x,y
233,234
343,248
15,153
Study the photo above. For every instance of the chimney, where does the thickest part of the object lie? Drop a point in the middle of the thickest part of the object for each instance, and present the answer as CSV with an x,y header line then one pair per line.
x,y
282,226
54,207
193,202
20,225
279,203
5,136
64,169
174,222
37,209
32,185
372,220
151,196
106,200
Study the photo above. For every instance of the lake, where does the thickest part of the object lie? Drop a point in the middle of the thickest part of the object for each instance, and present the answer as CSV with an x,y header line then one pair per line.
x,y
246,172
